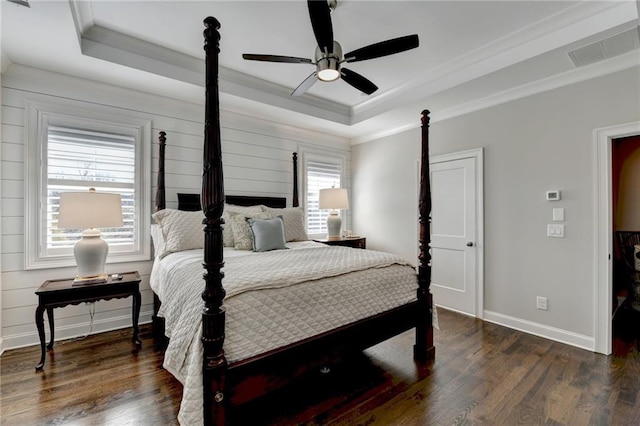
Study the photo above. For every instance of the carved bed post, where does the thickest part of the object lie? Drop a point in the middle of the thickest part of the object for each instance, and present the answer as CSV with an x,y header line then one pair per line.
x,y
424,348
296,202
212,199
160,190
158,323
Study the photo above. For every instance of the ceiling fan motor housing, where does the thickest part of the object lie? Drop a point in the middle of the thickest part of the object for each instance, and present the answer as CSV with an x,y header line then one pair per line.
x,y
328,64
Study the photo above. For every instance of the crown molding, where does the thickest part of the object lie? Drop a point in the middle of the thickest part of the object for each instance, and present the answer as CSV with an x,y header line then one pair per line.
x,y
106,44
82,16
618,63
567,26
115,47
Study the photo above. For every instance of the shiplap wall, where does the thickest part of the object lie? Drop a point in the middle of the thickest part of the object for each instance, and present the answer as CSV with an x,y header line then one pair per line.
x,y
1,339
256,158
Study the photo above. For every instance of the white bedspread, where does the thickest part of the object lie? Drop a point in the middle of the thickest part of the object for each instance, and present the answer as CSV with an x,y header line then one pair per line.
x,y
326,287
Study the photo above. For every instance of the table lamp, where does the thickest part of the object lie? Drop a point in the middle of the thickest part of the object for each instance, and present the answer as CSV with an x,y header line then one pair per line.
x,y
334,199
90,210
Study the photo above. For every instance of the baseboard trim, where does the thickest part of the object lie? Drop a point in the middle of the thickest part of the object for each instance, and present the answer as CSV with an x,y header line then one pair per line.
x,y
70,332
541,330
447,308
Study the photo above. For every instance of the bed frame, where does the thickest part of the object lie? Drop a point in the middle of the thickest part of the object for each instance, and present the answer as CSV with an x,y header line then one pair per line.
x,y
226,385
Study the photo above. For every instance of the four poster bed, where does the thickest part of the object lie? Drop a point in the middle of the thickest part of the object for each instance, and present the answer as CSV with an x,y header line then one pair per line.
x,y
280,313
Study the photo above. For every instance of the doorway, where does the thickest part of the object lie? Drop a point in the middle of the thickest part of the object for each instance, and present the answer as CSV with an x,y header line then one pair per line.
x,y
625,193
603,264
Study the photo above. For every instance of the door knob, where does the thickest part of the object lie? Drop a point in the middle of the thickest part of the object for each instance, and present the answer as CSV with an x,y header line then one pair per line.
x,y
469,244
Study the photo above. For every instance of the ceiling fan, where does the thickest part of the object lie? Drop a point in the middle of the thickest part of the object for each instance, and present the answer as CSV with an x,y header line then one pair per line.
x,y
328,56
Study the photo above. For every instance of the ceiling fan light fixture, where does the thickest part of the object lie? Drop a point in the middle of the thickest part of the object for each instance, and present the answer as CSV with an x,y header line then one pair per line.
x,y
328,64
328,69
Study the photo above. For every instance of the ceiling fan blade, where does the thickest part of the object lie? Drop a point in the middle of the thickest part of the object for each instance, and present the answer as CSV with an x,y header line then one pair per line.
x,y
305,85
276,58
358,81
320,15
383,48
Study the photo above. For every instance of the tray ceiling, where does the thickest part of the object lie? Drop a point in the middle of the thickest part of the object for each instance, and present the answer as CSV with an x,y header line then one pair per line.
x,y
471,54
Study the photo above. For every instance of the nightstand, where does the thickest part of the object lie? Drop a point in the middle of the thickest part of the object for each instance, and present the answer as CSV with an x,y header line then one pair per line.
x,y
353,242
59,293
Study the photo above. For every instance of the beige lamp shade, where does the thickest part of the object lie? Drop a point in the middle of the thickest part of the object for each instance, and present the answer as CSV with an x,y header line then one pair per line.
x,y
334,198
90,209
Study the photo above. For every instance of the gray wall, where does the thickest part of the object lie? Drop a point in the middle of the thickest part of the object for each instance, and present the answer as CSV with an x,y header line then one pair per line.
x,y
531,145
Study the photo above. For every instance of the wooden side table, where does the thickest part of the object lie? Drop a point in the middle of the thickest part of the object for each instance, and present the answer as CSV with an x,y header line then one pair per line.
x,y
59,293
353,242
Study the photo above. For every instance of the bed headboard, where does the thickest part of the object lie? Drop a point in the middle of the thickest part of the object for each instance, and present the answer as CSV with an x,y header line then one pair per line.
x,y
245,200
191,202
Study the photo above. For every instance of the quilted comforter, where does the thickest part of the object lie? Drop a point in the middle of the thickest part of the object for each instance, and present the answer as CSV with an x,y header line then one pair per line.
x,y
273,299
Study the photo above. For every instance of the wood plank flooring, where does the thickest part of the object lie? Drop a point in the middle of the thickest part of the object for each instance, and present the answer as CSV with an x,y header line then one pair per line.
x,y
484,374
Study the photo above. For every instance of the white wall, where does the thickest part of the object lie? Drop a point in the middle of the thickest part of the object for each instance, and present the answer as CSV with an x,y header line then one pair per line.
x,y
256,158
531,145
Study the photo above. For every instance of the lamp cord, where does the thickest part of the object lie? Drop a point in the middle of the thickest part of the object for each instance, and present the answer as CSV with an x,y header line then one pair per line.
x,y
92,312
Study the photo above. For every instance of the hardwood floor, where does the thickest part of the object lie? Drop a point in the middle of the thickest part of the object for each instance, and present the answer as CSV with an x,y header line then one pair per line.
x,y
483,374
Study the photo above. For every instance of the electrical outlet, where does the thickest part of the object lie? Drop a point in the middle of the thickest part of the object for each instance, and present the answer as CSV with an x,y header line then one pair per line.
x,y
541,303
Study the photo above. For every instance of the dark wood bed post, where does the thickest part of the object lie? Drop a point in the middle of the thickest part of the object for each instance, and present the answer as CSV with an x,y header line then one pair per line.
x,y
424,349
161,202
296,202
214,366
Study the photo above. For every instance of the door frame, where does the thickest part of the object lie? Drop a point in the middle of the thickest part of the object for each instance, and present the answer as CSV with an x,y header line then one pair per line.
x,y
477,154
603,270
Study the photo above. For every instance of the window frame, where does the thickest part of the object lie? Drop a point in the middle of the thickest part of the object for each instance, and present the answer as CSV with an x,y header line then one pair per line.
x,y
42,113
337,159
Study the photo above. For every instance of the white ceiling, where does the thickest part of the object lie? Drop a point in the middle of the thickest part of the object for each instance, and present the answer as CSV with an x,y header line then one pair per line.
x,y
472,53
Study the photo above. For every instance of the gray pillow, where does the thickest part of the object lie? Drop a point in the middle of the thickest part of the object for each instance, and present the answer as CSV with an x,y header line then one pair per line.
x,y
268,234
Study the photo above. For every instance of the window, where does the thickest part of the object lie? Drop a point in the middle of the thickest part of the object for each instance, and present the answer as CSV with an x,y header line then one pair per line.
x,y
71,151
320,173
77,160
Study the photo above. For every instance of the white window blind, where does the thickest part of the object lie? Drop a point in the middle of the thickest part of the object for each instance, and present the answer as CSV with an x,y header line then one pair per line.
x,y
77,160
320,174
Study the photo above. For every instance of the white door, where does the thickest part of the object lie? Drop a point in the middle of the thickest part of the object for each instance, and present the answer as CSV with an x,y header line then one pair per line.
x,y
454,236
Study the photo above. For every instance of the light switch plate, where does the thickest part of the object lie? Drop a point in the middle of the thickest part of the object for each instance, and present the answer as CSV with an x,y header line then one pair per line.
x,y
558,215
555,231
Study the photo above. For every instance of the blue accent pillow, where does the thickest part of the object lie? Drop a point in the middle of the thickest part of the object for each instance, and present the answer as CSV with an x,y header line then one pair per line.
x,y
268,234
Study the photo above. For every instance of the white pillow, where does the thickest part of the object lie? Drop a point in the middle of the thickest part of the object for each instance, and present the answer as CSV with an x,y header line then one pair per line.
x,y
157,239
181,230
293,217
227,230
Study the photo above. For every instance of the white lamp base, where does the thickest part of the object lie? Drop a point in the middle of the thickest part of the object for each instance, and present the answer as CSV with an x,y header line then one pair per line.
x,y
91,253
334,224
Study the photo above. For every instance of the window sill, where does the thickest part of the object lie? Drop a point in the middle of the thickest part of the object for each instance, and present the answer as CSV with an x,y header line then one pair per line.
x,y
69,261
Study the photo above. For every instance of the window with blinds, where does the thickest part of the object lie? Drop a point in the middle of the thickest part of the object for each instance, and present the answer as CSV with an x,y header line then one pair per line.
x,y
77,160
73,146
320,174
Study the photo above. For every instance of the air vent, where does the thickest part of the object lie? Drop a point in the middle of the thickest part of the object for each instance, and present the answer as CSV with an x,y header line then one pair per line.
x,y
607,48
